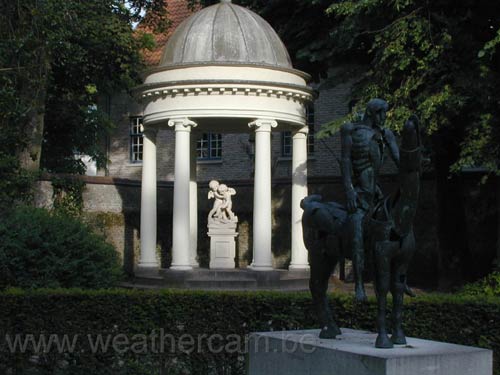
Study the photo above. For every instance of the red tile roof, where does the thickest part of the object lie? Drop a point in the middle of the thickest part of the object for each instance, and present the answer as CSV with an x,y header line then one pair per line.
x,y
178,11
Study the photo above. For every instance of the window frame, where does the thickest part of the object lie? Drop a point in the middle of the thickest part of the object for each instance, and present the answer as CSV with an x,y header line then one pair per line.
x,y
287,139
136,140
211,143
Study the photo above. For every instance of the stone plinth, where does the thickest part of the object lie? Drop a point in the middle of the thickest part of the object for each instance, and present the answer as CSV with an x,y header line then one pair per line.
x,y
353,353
222,245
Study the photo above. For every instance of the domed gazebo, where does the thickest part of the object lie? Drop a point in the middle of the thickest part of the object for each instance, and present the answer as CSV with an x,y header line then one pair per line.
x,y
223,70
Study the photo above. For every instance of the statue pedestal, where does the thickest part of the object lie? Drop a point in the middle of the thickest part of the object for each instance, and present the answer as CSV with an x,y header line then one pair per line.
x,y
222,244
353,353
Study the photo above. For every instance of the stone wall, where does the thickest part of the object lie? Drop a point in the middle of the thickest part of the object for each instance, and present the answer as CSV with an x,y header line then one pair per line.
x,y
114,206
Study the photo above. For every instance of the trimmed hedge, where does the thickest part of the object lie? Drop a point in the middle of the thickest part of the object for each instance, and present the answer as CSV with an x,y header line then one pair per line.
x,y
76,313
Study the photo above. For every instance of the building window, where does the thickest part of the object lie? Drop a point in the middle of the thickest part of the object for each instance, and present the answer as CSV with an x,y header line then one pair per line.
x,y
136,139
209,146
310,124
286,137
286,144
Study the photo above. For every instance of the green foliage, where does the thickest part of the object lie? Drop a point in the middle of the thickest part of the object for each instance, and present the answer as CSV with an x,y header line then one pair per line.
x,y
185,313
68,195
57,59
489,286
438,59
15,183
43,249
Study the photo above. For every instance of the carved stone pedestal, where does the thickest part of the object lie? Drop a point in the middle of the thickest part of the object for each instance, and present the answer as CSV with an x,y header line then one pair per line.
x,y
222,244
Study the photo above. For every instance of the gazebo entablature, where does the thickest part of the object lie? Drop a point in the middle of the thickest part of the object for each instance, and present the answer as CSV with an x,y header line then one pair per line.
x,y
231,92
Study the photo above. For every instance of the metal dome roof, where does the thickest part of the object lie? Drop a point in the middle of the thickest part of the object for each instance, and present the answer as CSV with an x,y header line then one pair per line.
x,y
225,33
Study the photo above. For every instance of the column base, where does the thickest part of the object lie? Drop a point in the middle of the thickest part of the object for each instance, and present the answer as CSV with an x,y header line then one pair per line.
x,y
148,265
147,270
257,267
180,267
299,267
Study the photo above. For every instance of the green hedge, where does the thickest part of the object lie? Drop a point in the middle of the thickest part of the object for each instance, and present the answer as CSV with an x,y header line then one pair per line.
x,y
464,320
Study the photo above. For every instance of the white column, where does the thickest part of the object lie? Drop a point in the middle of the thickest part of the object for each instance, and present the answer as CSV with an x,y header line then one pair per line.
x,y
193,205
148,201
181,237
299,191
262,223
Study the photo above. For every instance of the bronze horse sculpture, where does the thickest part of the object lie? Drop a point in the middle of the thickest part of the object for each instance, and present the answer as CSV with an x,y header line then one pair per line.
x,y
389,238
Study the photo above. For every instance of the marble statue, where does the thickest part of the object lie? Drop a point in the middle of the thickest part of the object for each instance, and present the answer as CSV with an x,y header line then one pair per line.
x,y
222,211
370,225
222,225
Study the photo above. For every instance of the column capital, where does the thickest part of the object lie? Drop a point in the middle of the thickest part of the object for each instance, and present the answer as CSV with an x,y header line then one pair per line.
x,y
182,124
304,131
263,125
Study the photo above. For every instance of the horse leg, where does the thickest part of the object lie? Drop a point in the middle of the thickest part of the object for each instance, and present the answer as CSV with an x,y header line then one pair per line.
x,y
398,287
383,254
398,282
321,268
358,254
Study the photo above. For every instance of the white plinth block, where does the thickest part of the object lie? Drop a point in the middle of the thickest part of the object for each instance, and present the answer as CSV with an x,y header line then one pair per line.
x,y
353,353
222,245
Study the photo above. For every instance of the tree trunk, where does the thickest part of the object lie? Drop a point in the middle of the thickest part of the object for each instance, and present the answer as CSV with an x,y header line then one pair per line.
x,y
29,157
497,260
35,91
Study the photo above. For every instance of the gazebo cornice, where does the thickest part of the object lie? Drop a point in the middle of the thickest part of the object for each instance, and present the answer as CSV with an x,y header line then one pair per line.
x,y
270,88
306,76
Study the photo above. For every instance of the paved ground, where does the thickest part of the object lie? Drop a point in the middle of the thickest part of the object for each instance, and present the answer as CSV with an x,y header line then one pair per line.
x,y
336,286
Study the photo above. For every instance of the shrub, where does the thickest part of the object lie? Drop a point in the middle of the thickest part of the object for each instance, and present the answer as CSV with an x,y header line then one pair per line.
x,y
111,313
487,286
16,183
68,194
43,249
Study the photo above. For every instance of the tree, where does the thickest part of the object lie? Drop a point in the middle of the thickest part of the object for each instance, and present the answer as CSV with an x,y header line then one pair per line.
x,y
56,58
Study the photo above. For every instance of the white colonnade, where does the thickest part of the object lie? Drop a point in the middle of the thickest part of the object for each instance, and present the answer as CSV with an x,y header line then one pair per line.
x,y
148,201
262,205
185,207
193,204
299,191
182,218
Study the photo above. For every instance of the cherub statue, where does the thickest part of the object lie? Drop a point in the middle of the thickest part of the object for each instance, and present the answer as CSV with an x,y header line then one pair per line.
x,y
222,209
216,210
227,204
